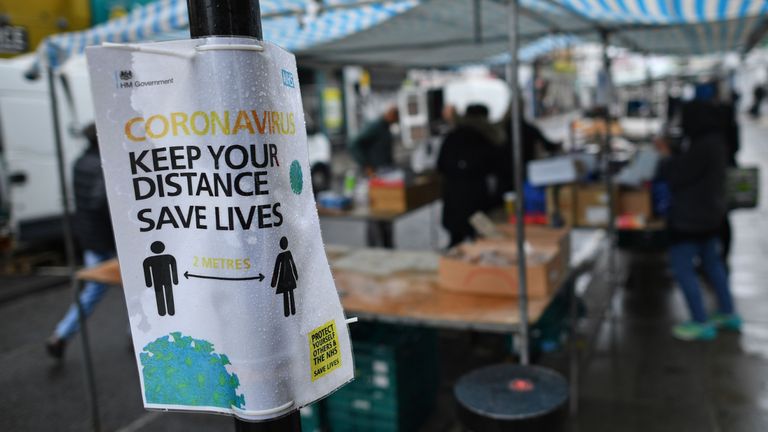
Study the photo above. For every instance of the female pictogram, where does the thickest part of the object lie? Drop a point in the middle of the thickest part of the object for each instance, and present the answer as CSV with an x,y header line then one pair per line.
x,y
284,278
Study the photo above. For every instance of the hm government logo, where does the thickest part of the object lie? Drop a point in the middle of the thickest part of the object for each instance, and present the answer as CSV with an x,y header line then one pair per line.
x,y
124,80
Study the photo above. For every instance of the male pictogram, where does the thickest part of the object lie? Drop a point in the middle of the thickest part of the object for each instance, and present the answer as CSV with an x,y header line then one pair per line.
x,y
284,278
160,273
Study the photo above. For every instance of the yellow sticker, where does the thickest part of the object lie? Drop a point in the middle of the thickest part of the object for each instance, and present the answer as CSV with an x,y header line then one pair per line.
x,y
324,350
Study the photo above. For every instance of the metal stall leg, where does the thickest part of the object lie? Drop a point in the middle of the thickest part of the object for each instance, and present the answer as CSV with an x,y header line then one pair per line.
x,y
69,244
87,360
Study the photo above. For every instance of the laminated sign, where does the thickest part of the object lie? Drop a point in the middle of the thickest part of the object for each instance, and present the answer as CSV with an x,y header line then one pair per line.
x,y
231,301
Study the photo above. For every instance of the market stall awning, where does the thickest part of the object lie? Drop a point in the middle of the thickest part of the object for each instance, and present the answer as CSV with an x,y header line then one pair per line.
x,y
677,27
446,32
289,23
440,32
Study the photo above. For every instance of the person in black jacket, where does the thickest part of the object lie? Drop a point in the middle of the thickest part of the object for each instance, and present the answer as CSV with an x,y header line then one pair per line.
x,y
534,143
372,147
696,173
467,158
92,227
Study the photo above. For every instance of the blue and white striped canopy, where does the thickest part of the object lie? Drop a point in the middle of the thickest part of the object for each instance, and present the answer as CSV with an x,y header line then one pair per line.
x,y
168,19
677,26
439,32
665,12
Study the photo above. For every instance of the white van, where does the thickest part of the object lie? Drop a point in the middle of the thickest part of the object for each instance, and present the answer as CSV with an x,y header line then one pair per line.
x,y
27,142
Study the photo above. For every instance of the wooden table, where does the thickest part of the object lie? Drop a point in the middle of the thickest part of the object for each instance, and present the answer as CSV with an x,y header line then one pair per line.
x,y
407,298
414,297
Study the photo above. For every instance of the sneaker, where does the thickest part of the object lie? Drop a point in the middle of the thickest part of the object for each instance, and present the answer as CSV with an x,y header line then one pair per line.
x,y
730,322
55,347
694,331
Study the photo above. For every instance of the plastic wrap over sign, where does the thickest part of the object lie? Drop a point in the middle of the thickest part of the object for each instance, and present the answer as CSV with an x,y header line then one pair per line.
x,y
231,301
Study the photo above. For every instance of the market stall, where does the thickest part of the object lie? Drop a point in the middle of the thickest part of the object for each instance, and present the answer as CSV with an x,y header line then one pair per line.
x,y
421,33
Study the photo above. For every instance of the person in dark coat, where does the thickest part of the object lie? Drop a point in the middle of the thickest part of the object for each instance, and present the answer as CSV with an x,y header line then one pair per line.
x,y
372,147
696,173
534,143
92,227
733,142
467,158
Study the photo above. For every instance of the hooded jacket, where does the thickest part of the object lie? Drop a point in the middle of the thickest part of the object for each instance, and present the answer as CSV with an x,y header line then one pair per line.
x,y
92,224
467,157
696,172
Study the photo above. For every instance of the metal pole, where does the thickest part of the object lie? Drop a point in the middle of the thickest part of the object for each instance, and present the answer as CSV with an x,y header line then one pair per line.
x,y
224,18
517,168
69,245
477,12
608,176
236,18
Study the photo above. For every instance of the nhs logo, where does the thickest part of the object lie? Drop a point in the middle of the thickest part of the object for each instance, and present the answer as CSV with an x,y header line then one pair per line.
x,y
288,79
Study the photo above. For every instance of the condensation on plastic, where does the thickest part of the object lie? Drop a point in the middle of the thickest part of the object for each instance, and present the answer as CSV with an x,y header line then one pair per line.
x,y
244,320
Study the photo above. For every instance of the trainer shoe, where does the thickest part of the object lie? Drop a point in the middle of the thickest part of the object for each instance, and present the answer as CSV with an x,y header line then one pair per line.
x,y
694,331
730,322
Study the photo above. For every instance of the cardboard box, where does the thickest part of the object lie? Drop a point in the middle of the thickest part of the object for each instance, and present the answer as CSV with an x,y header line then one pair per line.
x,y
592,205
471,278
545,273
636,202
563,197
402,197
580,205
587,205
540,237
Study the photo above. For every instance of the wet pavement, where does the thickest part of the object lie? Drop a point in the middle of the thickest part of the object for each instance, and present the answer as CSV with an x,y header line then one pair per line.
x,y
638,378
641,379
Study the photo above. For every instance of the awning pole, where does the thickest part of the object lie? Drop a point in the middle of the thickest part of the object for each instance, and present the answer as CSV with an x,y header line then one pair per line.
x,y
606,161
69,245
236,18
517,168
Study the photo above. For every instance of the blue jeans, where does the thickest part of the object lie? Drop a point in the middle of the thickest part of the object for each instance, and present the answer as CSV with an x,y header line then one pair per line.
x,y
90,296
681,256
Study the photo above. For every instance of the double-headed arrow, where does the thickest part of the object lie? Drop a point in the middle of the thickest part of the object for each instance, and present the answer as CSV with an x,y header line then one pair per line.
x,y
188,275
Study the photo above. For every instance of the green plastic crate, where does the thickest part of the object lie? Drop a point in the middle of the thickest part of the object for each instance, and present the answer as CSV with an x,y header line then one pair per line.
x,y
396,380
311,418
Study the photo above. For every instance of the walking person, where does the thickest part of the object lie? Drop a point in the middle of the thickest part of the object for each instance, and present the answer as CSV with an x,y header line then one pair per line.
x,y
695,170
93,229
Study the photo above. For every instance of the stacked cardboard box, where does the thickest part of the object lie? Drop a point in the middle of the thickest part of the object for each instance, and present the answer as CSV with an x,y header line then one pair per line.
x,y
402,196
588,205
489,266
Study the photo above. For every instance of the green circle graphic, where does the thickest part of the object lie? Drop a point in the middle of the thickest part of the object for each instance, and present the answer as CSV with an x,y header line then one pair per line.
x,y
297,178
